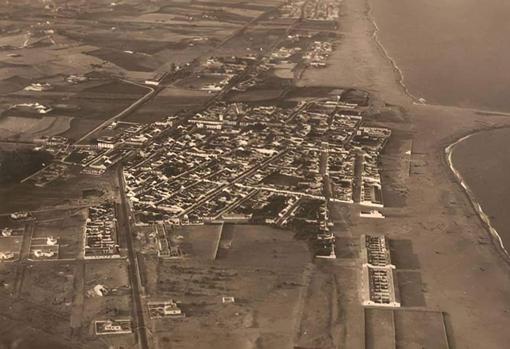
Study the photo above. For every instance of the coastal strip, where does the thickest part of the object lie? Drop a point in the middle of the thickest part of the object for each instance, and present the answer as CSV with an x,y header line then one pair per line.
x,y
375,36
476,205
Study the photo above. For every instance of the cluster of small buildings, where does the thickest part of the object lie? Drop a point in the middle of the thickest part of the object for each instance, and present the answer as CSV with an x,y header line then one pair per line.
x,y
321,10
32,107
10,242
164,309
55,145
252,77
284,53
44,248
371,141
156,79
315,10
101,233
8,254
223,115
48,174
38,87
118,141
289,56
167,246
113,326
318,53
221,70
106,159
76,79
325,239
122,140
292,9
20,216
379,285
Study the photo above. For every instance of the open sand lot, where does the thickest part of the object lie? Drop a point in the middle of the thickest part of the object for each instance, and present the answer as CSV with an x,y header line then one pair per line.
x,y
237,11
20,128
168,103
169,19
126,60
186,54
49,285
404,329
256,38
11,244
200,242
66,226
8,273
24,196
49,62
117,304
260,266
181,93
73,115
257,95
111,275
284,70
27,338
38,316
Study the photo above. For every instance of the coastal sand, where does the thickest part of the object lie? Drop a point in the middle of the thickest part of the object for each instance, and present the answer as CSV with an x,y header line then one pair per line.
x,y
482,160
462,272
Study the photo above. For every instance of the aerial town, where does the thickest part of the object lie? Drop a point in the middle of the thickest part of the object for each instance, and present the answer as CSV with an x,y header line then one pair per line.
x,y
231,162
196,174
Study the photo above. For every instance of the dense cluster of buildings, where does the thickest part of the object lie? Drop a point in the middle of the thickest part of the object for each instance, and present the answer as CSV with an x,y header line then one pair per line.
x,y
101,233
379,285
371,141
234,161
318,54
237,162
232,155
316,10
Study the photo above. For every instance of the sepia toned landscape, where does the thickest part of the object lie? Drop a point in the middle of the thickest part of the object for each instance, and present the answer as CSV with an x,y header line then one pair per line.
x,y
228,174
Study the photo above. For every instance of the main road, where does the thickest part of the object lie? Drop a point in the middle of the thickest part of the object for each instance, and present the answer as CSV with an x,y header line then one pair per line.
x,y
124,227
152,92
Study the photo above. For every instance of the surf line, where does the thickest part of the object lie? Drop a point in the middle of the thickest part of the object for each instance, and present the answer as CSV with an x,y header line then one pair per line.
x,y
401,79
476,205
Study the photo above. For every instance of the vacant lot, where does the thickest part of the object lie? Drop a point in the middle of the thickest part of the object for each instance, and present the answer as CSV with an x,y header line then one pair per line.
x,y
262,267
66,226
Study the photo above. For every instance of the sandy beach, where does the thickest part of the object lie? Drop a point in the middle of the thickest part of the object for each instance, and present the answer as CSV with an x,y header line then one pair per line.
x,y
479,160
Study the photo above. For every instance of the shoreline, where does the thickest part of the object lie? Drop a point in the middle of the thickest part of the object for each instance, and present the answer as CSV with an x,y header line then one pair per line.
x,y
401,77
393,62
496,239
493,233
